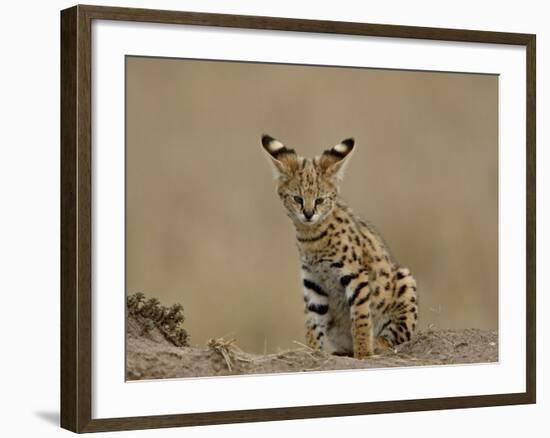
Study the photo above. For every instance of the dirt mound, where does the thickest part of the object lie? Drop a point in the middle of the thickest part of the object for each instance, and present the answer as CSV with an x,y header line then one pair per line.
x,y
152,355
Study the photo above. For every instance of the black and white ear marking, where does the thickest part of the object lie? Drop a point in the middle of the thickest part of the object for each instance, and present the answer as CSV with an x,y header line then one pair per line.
x,y
334,160
283,159
275,148
345,147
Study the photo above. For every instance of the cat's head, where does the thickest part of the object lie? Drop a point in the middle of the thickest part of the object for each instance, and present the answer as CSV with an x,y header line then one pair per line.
x,y
307,187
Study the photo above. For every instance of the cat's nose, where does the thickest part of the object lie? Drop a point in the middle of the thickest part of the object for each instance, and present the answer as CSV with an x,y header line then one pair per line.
x,y
308,214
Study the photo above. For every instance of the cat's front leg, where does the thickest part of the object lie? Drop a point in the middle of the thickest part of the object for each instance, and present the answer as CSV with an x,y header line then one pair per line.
x,y
358,298
317,314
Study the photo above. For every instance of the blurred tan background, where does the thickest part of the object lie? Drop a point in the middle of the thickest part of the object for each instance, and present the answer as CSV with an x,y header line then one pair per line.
x,y
206,229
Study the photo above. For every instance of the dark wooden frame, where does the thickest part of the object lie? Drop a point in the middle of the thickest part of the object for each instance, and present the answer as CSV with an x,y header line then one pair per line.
x,y
76,305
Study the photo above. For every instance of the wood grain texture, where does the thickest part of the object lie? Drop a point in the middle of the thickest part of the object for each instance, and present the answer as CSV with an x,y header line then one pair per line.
x,y
300,25
76,223
531,217
69,326
76,297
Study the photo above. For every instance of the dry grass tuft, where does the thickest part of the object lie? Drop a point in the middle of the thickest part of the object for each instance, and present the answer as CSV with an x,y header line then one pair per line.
x,y
228,350
150,313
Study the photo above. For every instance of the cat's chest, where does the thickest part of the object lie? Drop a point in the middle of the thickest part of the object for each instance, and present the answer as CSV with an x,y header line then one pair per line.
x,y
328,278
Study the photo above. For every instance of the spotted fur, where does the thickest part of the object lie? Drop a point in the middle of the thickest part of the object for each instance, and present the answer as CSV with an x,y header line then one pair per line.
x,y
357,298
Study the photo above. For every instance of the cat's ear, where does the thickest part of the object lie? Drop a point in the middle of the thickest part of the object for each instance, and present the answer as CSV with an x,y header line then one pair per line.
x,y
333,161
283,159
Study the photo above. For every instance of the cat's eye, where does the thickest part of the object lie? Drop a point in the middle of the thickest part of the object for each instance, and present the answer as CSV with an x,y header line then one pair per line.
x,y
298,199
319,201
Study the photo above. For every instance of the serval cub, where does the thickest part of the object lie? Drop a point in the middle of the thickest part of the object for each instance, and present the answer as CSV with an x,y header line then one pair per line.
x,y
357,299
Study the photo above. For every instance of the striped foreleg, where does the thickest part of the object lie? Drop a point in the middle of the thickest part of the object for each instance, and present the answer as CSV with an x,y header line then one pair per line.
x,y
358,298
317,316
